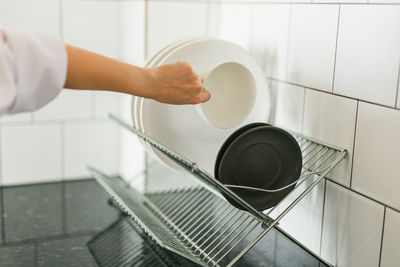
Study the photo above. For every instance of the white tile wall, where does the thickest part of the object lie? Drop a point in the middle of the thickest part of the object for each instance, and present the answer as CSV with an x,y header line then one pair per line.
x,y
398,89
213,19
106,102
332,119
384,1
92,143
352,228
376,168
70,104
171,21
19,117
304,221
42,15
132,30
235,24
288,101
31,153
93,25
391,239
312,45
341,1
368,52
269,38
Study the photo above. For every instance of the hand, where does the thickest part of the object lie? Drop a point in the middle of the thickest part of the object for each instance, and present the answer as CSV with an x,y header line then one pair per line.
x,y
177,84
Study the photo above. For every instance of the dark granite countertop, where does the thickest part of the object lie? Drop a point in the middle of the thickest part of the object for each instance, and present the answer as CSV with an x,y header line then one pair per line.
x,y
53,224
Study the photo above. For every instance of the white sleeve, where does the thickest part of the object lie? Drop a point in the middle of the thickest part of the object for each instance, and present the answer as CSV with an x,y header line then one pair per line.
x,y
33,69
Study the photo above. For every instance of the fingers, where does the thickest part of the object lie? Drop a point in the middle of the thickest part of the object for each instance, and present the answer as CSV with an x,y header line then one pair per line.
x,y
204,96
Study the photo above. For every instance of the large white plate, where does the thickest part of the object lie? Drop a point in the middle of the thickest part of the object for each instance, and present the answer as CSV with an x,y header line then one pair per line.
x,y
180,127
152,62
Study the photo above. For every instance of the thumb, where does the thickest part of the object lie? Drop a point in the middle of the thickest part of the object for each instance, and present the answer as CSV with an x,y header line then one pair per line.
x,y
204,95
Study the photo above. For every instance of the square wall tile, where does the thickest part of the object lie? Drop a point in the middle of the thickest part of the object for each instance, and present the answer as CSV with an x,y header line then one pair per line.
x,y
92,143
384,1
41,15
132,30
235,24
398,90
32,211
269,38
18,117
288,110
312,43
341,1
352,228
367,61
70,104
376,168
183,20
391,239
304,221
105,103
132,156
213,18
31,153
93,25
332,119
290,1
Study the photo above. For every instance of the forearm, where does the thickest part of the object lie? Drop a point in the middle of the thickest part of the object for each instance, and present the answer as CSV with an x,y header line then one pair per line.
x,y
172,83
91,71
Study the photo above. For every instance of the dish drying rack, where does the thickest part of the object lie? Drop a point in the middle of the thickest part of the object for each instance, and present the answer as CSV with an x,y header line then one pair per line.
x,y
195,221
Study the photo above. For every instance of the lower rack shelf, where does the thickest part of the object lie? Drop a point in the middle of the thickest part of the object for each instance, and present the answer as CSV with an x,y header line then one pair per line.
x,y
195,221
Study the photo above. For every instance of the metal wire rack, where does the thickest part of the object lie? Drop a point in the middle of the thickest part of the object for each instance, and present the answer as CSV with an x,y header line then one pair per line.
x,y
196,221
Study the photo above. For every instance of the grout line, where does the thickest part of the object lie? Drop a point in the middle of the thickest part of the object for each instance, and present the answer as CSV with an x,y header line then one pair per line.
x,y
334,94
55,121
354,146
363,195
288,42
322,218
146,29
61,20
396,102
336,48
304,109
208,26
383,231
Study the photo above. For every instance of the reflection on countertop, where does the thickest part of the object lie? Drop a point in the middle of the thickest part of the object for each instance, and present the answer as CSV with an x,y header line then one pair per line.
x,y
72,223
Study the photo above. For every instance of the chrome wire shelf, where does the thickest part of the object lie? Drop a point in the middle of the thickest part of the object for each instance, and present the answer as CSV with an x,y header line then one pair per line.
x,y
196,221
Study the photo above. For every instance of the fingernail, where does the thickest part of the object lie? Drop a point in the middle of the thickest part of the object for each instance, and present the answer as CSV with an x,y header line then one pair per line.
x,y
205,95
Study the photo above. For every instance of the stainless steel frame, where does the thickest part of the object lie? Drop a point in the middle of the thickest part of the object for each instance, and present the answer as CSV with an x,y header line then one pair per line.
x,y
197,222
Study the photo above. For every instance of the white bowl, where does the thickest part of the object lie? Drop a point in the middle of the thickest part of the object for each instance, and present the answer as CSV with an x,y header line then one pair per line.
x,y
233,93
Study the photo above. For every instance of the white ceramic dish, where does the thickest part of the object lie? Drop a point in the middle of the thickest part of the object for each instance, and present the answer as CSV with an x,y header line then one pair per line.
x,y
180,127
139,100
135,106
233,91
